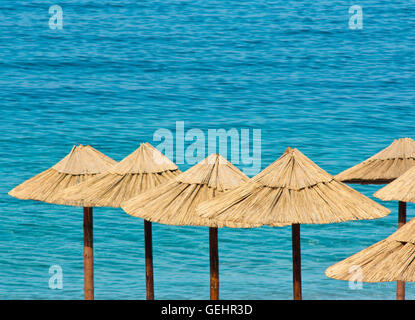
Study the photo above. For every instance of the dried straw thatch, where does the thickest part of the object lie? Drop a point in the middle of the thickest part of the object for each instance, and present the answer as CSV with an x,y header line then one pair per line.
x,y
142,170
392,259
383,167
401,189
292,190
174,203
81,164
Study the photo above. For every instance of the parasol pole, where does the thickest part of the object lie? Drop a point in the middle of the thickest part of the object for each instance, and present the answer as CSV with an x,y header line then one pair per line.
x,y
214,263
88,255
149,260
400,285
296,261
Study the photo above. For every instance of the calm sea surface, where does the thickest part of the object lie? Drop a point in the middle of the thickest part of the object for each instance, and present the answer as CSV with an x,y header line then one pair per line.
x,y
120,70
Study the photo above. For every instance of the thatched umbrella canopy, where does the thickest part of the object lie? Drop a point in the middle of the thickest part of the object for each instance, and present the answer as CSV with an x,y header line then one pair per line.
x,y
81,164
382,168
391,259
174,203
140,171
292,190
401,189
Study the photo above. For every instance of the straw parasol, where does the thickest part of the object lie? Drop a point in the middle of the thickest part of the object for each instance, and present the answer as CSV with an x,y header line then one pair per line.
x,y
383,168
81,164
292,190
140,171
391,259
174,203
403,190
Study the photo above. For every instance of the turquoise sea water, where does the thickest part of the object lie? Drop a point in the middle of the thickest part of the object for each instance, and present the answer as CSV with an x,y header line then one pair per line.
x,y
120,70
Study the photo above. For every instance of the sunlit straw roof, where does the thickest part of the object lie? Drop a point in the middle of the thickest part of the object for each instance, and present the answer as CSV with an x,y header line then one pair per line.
x,y
174,203
401,189
142,170
81,164
291,190
383,167
391,259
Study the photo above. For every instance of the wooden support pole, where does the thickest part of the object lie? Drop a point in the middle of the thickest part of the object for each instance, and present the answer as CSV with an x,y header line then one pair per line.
x,y
296,261
402,214
148,243
88,255
400,285
214,263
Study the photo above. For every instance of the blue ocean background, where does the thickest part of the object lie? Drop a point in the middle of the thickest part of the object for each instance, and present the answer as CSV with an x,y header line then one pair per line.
x,y
120,70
